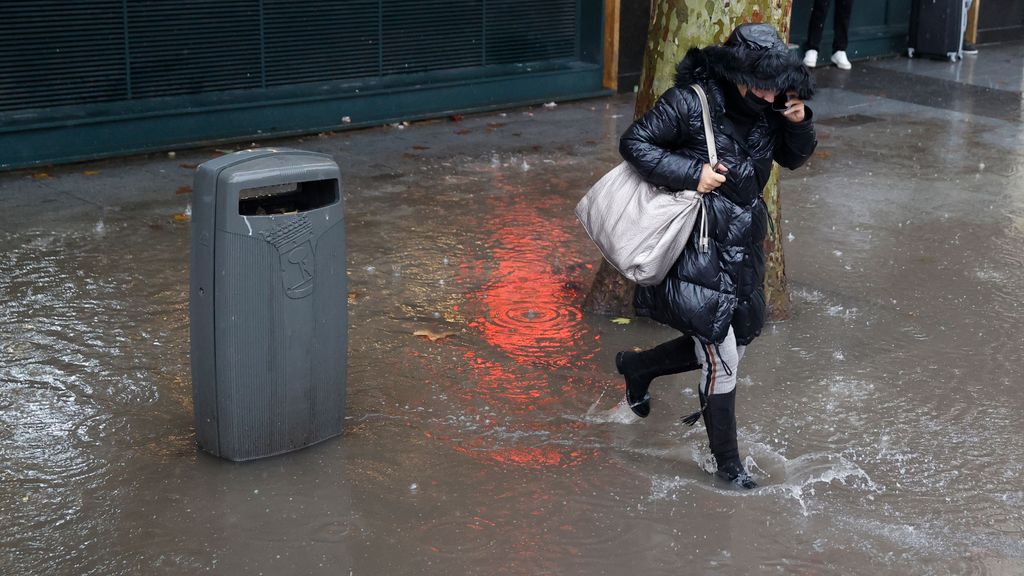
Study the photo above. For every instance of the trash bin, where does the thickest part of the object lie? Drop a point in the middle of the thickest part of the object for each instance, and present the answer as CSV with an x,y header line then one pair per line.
x,y
268,302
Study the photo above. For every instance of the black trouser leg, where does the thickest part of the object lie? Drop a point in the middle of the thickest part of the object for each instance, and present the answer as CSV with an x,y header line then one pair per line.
x,y
817,23
841,24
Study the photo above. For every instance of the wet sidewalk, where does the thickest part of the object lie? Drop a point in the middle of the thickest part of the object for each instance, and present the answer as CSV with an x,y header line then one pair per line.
x,y
883,420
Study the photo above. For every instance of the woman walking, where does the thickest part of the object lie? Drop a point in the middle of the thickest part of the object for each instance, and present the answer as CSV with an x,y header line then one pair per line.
x,y
755,89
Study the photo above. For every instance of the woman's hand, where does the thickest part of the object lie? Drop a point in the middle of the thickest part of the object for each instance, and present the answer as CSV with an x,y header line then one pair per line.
x,y
794,108
710,178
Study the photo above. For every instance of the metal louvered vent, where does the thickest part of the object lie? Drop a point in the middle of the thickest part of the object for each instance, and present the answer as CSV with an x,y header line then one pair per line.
x,y
530,30
58,52
193,46
423,35
321,40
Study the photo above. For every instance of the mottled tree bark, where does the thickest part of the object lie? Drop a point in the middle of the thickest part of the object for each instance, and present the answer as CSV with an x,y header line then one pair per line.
x,y
676,26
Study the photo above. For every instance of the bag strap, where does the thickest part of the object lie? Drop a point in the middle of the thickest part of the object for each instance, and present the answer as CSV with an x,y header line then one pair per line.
x,y
709,134
709,138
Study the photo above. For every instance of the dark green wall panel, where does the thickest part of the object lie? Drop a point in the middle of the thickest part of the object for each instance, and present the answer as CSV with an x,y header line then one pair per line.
x,y
97,138
91,79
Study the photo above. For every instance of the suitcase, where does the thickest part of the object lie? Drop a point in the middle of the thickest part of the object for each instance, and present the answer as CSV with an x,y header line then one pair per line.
x,y
937,28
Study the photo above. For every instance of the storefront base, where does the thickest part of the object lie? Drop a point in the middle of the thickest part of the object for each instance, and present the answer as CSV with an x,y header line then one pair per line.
x,y
77,133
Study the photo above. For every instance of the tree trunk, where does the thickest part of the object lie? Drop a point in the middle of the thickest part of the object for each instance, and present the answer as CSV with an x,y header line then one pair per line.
x,y
676,27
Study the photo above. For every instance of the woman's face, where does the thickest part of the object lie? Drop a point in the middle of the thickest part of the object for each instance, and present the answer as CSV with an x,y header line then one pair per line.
x,y
766,95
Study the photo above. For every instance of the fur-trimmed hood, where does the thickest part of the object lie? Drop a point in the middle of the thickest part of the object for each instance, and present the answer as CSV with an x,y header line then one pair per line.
x,y
754,55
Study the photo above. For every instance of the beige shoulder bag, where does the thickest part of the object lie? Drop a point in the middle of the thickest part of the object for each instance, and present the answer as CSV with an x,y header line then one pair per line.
x,y
642,229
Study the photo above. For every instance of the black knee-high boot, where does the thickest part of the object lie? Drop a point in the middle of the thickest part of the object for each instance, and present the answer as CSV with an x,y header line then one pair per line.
x,y
720,421
639,368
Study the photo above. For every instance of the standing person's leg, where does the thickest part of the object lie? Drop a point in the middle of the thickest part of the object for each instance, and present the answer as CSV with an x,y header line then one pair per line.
x,y
841,25
965,46
817,23
841,29
718,397
814,29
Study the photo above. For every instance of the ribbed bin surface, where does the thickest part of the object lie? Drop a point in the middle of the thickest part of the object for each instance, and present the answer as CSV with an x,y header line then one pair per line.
x,y
269,301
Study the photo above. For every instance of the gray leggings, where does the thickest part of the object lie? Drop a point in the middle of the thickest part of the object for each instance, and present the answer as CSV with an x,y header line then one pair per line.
x,y
720,362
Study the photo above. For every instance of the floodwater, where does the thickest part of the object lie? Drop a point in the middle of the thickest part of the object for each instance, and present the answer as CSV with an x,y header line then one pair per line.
x,y
883,420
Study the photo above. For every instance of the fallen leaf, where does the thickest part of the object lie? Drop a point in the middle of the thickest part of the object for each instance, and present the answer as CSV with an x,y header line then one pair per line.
x,y
822,154
621,320
494,126
456,117
188,166
434,336
463,132
352,297
181,218
184,190
91,172
418,147
41,176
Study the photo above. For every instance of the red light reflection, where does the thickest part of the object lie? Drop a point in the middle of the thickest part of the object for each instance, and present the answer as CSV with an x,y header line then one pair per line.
x,y
525,310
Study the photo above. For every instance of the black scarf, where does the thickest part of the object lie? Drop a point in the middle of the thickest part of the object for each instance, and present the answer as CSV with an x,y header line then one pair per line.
x,y
739,111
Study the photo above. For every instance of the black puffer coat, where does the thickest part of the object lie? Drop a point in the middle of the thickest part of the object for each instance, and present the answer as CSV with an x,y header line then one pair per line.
x,y
705,293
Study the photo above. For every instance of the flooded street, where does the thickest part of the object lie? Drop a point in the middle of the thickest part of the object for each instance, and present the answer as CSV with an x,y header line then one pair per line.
x,y
883,420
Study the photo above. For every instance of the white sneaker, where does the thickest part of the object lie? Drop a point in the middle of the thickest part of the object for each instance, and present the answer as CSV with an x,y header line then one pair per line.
x,y
811,58
841,61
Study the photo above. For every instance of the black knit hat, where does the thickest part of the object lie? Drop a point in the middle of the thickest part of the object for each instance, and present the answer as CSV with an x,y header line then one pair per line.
x,y
755,55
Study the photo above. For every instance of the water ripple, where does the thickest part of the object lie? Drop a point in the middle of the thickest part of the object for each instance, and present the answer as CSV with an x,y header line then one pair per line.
x,y
76,322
